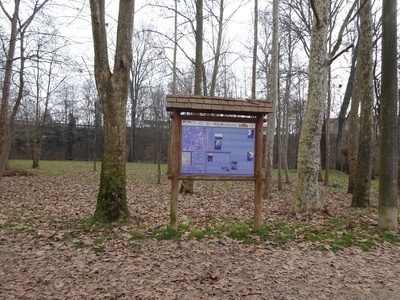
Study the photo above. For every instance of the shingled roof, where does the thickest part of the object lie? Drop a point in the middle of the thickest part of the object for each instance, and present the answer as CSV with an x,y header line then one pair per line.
x,y
206,104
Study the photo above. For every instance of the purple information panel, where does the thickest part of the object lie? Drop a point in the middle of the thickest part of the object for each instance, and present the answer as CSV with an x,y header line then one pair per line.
x,y
217,148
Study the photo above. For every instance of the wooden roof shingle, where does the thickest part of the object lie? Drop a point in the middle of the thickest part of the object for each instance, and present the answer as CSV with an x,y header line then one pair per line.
x,y
207,104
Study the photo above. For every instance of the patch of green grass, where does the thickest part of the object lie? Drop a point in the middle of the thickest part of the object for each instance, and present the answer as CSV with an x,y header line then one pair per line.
x,y
220,227
209,231
98,249
60,168
144,168
292,173
136,235
78,245
9,225
134,246
54,167
333,235
167,234
183,227
99,240
390,237
198,234
239,232
69,235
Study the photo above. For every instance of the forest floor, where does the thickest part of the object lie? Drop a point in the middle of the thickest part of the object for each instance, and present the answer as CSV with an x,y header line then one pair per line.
x,y
49,249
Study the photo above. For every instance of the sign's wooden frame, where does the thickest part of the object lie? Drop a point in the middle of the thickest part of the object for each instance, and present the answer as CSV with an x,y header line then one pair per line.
x,y
232,110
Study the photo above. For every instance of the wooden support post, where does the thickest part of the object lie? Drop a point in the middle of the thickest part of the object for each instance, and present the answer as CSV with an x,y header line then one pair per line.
x,y
258,172
175,154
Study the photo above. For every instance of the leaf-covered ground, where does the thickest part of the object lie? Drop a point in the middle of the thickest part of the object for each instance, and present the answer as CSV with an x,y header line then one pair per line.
x,y
50,250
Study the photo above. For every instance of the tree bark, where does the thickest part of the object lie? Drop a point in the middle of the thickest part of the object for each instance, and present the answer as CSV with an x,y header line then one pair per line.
x,y
255,44
327,132
113,93
362,180
343,112
5,96
387,217
218,49
187,186
352,140
174,68
288,85
273,93
307,195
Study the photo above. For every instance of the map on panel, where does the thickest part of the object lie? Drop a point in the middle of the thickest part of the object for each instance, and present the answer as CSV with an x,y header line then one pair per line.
x,y
217,148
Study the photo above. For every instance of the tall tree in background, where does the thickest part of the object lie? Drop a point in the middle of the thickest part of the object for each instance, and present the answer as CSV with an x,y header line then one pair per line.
x,y
290,45
187,185
362,180
147,57
255,46
48,76
218,47
113,88
17,26
387,121
173,88
273,88
343,110
353,130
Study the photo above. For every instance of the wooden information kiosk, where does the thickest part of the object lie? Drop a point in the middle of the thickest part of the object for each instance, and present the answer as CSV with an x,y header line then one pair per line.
x,y
216,138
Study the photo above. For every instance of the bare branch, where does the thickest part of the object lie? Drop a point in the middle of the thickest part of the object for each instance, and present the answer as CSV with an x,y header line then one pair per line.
x,y
4,11
341,52
342,28
314,9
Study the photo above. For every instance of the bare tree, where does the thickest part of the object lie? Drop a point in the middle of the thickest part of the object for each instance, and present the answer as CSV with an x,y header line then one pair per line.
x,y
147,57
187,185
17,25
47,79
290,45
255,46
112,87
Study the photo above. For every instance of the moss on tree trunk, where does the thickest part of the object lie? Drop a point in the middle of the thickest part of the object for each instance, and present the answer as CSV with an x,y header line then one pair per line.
x,y
111,200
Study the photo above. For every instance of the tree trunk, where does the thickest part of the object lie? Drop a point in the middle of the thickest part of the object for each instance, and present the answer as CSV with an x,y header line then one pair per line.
x,y
279,144
273,93
19,97
113,92
286,109
343,112
352,140
307,195
387,122
5,96
362,180
174,68
327,132
218,49
187,185
255,44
